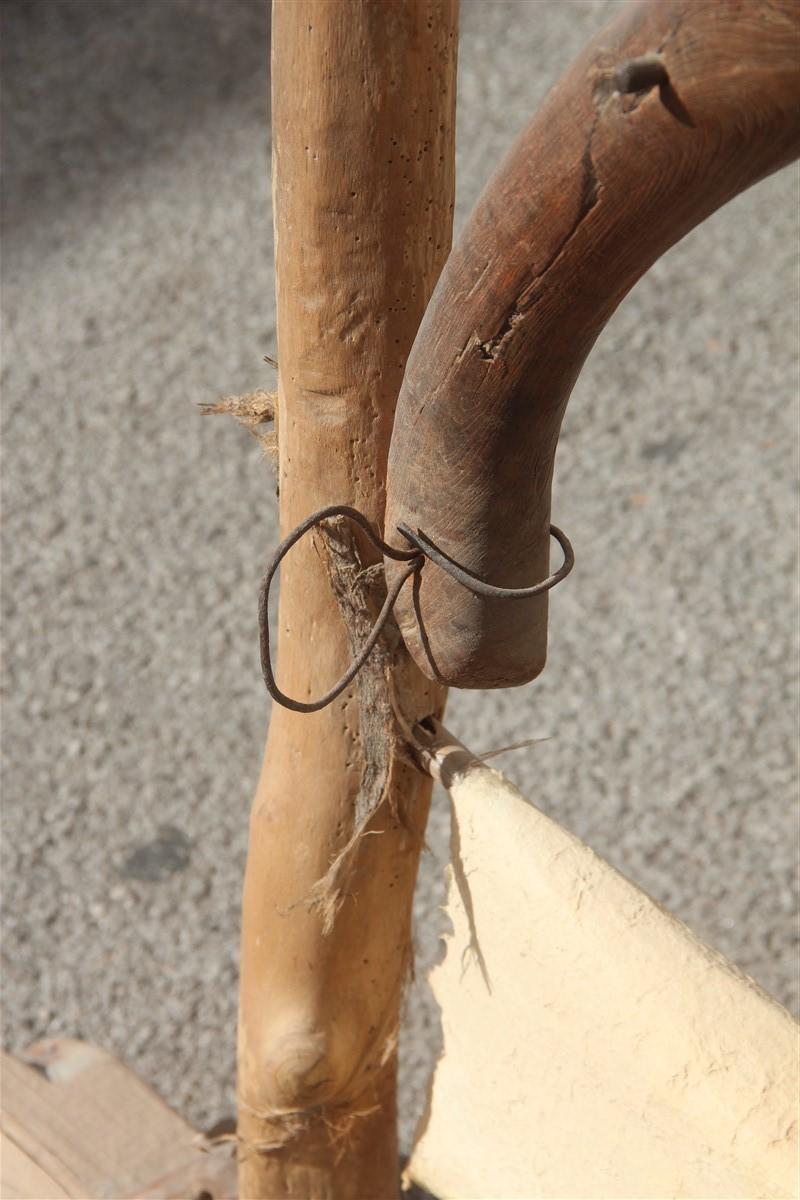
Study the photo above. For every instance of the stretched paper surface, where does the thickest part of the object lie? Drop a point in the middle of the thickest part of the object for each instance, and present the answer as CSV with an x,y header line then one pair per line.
x,y
593,1046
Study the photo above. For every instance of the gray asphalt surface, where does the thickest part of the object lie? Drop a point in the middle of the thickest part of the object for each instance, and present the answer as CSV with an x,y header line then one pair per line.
x,y
137,282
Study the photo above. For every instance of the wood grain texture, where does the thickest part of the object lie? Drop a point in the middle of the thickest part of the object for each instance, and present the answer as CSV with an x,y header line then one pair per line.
x,y
595,189
76,1122
363,180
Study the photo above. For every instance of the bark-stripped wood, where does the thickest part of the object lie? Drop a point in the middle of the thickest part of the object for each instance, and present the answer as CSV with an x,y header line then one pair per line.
x,y
599,184
363,171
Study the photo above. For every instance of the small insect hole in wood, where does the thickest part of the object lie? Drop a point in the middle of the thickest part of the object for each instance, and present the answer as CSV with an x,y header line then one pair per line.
x,y
641,74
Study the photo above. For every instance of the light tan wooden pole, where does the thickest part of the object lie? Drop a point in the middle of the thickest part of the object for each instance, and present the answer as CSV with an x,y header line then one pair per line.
x,y
363,177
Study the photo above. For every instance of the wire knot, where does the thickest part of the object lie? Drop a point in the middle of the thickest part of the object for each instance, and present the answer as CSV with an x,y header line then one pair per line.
x,y
423,548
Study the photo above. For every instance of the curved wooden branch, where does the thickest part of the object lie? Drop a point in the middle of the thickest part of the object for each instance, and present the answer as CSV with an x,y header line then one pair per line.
x,y
669,112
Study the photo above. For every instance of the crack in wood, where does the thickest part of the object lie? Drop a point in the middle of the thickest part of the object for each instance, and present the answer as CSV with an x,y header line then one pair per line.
x,y
528,297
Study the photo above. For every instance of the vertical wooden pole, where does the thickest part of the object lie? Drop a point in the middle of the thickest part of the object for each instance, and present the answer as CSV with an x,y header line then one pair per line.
x,y
363,177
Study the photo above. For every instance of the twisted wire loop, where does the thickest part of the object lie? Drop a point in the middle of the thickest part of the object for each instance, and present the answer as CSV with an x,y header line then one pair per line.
x,y
412,557
415,558
473,584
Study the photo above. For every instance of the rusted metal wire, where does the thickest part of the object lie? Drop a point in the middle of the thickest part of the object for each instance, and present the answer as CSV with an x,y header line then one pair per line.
x,y
412,557
490,590
415,558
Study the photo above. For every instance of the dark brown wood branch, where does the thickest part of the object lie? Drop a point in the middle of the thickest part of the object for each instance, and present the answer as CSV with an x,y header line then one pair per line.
x,y
669,112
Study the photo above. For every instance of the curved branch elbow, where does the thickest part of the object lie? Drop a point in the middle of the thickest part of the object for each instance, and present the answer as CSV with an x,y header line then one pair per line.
x,y
596,188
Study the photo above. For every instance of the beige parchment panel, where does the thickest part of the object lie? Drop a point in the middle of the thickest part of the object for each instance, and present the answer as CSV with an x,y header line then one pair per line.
x,y
593,1046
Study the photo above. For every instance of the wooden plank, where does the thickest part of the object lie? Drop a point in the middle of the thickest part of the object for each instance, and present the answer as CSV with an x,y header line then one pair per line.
x,y
593,1046
21,1177
76,1122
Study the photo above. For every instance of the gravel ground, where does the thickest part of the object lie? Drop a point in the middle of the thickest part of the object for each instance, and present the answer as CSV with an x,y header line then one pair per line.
x,y
137,281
